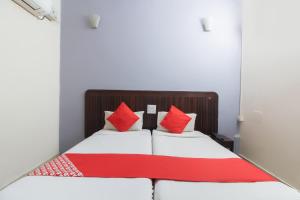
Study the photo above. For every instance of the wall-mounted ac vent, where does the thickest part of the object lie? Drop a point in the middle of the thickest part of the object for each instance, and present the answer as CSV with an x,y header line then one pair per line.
x,y
38,8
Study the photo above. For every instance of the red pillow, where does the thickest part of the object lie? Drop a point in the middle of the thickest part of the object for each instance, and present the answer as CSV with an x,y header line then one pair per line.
x,y
175,121
123,118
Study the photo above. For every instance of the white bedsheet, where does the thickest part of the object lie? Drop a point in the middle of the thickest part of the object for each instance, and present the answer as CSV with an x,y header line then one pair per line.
x,y
74,188
193,144
203,146
109,141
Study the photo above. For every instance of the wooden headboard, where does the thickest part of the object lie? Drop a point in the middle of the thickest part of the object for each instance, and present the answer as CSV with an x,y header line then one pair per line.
x,y
205,104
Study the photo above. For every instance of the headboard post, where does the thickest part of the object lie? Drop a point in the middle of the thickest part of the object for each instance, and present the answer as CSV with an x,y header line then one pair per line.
x,y
204,104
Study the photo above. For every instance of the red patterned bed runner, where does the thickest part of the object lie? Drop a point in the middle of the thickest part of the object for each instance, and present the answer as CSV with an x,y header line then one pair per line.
x,y
153,167
59,166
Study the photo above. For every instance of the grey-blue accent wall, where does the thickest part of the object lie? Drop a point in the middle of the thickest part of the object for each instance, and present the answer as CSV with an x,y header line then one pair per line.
x,y
149,45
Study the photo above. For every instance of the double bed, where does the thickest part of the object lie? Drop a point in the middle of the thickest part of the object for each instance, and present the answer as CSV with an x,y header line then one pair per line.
x,y
192,144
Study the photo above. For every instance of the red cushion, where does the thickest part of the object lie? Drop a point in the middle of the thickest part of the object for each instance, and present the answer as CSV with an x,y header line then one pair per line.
x,y
175,121
123,118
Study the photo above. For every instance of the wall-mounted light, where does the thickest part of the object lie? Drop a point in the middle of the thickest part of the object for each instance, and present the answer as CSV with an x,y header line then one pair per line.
x,y
207,24
94,20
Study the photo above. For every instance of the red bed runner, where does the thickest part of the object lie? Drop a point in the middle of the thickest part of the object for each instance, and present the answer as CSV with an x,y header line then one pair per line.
x,y
153,167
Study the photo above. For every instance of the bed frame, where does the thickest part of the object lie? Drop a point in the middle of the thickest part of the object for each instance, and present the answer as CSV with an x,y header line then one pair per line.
x,y
205,104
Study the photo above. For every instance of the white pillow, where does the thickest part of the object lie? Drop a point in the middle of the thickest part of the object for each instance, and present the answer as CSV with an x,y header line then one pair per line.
x,y
137,126
194,134
190,127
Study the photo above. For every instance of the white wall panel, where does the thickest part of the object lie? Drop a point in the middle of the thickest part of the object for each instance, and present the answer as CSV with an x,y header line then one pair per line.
x,y
270,99
29,85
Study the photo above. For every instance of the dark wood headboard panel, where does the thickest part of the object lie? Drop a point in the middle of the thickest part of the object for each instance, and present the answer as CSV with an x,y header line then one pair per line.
x,y
205,104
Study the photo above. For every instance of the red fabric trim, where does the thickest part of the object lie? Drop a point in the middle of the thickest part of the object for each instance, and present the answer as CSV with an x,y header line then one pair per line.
x,y
167,168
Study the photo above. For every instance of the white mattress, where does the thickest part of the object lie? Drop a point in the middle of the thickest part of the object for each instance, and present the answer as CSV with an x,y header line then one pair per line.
x,y
74,188
199,145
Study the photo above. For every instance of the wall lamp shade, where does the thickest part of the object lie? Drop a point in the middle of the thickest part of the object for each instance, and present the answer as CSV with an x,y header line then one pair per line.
x,y
207,24
94,20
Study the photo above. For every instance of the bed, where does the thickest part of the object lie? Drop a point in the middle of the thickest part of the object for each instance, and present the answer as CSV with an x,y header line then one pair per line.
x,y
103,141
194,144
198,145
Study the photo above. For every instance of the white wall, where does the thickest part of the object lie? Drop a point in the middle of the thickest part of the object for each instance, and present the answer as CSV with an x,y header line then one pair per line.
x,y
270,86
29,85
